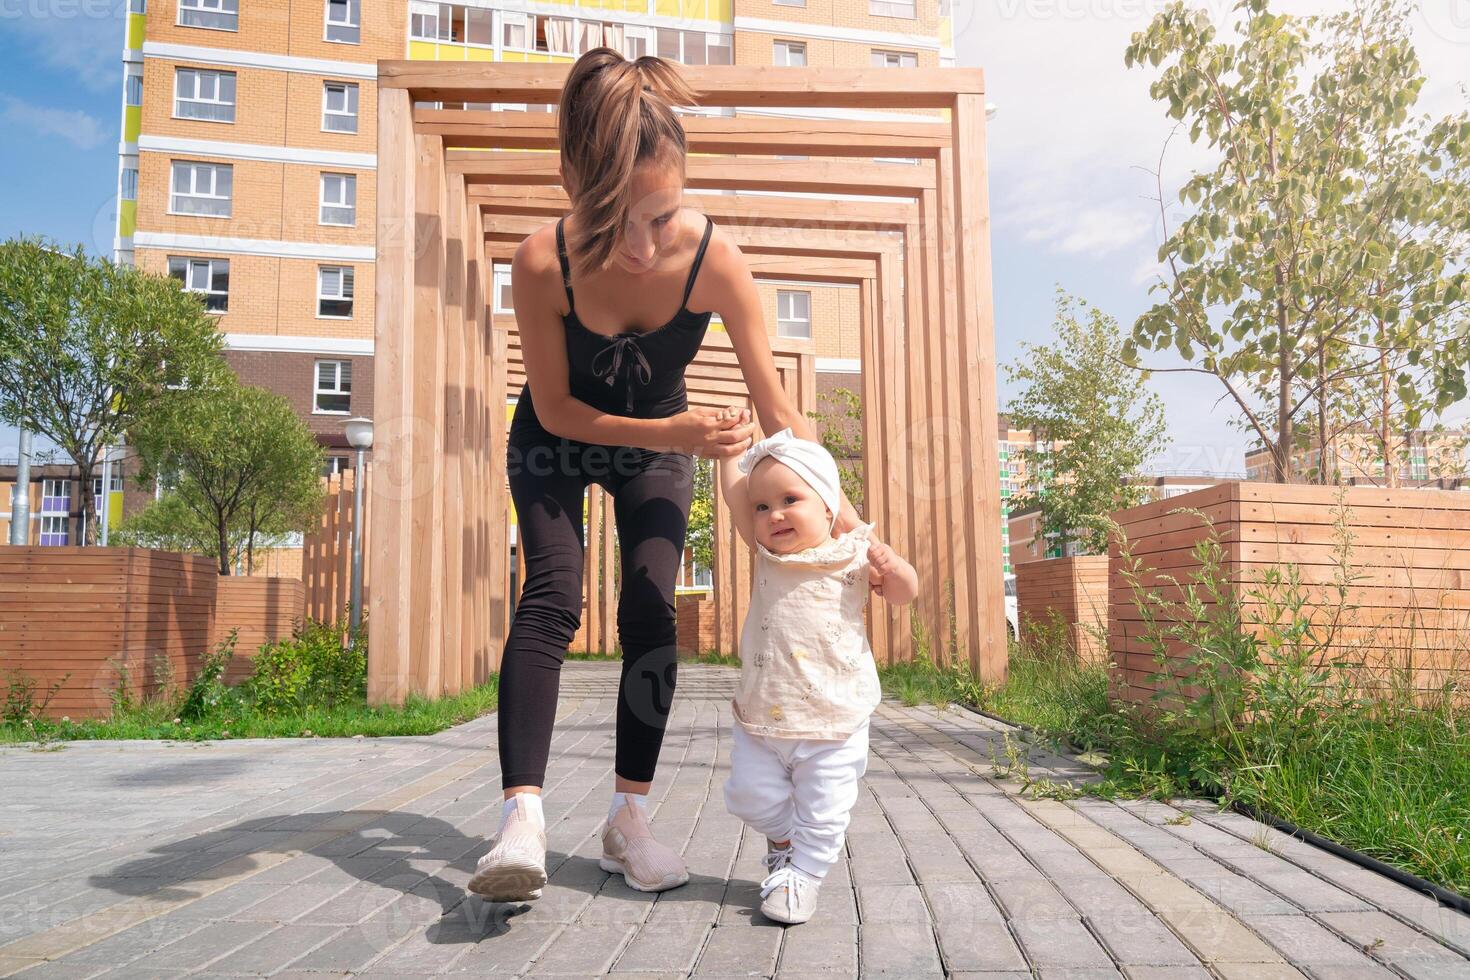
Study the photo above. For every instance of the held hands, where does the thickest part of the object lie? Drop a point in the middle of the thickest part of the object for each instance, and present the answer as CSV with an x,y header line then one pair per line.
x,y
890,576
713,433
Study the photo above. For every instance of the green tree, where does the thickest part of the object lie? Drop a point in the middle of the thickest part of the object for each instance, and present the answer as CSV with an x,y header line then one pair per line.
x,y
840,429
700,536
1100,425
88,348
239,460
1325,255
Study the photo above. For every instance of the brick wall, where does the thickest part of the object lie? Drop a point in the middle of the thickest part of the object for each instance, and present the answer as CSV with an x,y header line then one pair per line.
x,y
291,375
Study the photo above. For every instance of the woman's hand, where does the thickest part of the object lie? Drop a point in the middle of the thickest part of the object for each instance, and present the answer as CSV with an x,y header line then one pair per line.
x,y
713,433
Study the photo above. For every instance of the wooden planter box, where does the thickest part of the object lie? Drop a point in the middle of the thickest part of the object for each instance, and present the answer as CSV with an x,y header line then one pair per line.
x,y
1073,591
96,615
1409,558
262,609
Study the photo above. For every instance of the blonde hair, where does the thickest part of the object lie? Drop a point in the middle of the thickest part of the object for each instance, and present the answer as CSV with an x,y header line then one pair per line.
x,y
613,115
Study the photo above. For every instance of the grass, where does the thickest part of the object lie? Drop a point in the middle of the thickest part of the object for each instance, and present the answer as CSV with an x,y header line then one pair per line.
x,y
237,718
708,657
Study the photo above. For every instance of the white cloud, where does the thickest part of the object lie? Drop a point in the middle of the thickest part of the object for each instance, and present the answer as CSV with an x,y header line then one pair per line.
x,y
80,129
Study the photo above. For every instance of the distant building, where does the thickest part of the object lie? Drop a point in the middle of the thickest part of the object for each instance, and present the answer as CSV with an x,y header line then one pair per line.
x,y
56,502
1423,458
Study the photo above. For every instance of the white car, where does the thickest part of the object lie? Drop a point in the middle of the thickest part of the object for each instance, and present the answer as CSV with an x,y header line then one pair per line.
x,y
1013,623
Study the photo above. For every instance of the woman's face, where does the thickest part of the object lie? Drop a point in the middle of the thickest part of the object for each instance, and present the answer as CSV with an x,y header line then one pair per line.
x,y
788,514
653,218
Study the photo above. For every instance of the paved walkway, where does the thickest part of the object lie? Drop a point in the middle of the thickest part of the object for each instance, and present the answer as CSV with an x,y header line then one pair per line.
x,y
326,857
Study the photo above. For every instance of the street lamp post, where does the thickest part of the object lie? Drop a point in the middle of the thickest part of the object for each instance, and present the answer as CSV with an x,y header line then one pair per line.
x,y
360,438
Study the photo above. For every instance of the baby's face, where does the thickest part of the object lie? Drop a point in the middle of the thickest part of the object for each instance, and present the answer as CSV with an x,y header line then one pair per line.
x,y
789,516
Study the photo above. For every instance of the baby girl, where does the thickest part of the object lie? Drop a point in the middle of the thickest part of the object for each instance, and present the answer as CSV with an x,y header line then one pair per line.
x,y
807,678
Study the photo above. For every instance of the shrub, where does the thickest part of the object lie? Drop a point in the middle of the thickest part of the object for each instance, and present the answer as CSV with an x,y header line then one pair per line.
x,y
21,707
317,668
208,690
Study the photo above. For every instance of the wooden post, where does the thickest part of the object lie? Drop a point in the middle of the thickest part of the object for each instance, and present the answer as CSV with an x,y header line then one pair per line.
x,y
426,563
977,355
393,366
452,496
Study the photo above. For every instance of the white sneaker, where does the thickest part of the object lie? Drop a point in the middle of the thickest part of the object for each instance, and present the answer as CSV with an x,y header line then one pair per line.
x,y
514,869
790,895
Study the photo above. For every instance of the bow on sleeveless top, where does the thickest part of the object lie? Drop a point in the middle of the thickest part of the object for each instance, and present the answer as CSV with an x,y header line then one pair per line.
x,y
635,374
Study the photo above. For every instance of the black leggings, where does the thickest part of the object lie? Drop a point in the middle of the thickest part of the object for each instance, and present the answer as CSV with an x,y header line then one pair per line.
x,y
651,494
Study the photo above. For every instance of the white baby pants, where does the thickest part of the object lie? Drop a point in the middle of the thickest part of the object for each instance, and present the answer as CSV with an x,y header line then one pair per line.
x,y
797,789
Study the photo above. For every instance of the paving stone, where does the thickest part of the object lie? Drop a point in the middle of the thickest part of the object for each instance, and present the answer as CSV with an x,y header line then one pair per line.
x,y
275,950
891,903
824,949
1059,943
741,950
903,949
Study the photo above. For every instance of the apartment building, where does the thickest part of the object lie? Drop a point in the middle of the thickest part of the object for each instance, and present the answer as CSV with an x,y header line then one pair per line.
x,y
247,160
55,501
1419,458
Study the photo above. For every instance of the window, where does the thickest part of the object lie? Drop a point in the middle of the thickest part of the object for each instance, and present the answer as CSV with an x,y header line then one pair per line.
x,y
333,394
344,20
339,107
339,200
216,15
53,531
208,95
790,54
332,465
892,8
129,187
202,188
503,303
479,27
790,3
895,59
55,496
133,88
719,50
794,313
137,6
334,291
115,483
515,31
208,277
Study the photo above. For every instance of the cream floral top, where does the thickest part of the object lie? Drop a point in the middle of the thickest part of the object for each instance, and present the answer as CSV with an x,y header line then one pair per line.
x,y
806,670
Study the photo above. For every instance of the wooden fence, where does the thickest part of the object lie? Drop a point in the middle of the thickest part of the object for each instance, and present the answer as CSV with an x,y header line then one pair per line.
x,y
96,620
1400,558
326,550
1072,592
261,610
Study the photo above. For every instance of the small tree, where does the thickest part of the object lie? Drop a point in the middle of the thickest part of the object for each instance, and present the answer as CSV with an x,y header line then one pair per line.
x,y
88,348
240,461
1102,425
840,429
700,536
1324,264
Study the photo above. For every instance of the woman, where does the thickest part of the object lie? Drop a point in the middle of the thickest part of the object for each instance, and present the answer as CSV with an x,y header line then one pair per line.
x,y
606,303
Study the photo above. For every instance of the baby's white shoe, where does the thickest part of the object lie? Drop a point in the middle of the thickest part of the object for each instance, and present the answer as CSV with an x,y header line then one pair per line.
x,y
789,894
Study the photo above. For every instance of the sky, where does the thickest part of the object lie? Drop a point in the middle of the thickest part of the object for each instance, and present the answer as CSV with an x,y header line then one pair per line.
x,y
1073,147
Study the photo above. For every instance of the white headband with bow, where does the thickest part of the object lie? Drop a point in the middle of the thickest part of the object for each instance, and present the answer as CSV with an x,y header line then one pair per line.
x,y
809,460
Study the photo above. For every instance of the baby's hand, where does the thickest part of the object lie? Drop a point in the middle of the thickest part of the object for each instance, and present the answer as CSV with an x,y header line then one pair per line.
x,y
880,564
889,575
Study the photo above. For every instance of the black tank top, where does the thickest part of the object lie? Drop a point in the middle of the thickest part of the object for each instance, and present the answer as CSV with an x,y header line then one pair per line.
x,y
636,375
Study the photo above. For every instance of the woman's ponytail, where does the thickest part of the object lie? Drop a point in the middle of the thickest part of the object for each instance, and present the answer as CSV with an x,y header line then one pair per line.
x,y
614,114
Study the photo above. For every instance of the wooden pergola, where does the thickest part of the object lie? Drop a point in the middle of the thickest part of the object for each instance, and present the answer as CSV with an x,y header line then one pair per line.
x,y
448,209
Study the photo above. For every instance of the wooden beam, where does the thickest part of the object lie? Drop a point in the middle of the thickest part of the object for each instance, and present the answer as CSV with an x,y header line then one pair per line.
x,y
452,487
714,173
478,128
426,506
715,85
389,600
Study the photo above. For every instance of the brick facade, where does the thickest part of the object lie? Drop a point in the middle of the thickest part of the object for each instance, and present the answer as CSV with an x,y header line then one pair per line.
x,y
292,376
